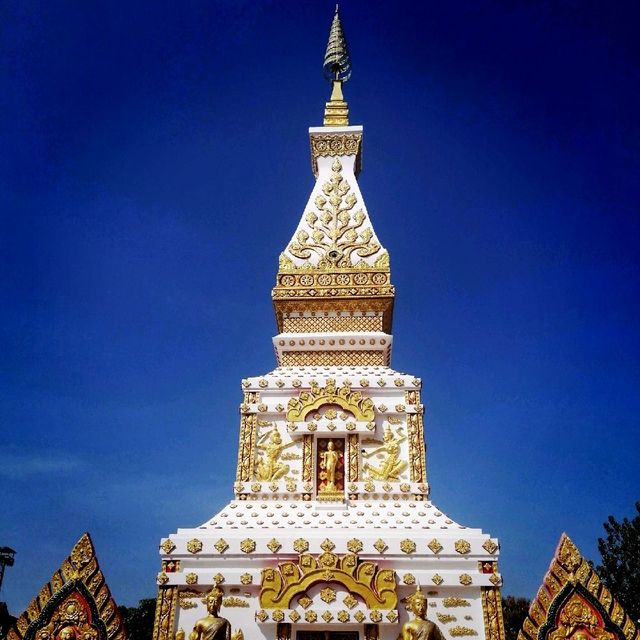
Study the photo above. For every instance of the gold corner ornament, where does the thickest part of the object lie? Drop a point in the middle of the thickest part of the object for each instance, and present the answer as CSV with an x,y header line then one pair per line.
x,y
279,586
76,604
572,597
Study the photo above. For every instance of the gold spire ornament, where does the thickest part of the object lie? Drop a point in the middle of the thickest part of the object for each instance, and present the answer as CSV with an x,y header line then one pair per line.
x,y
337,69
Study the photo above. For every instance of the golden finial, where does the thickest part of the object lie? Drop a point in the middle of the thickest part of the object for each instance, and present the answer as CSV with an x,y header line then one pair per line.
x,y
337,69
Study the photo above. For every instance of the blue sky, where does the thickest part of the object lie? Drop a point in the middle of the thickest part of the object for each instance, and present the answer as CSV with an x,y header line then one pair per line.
x,y
155,162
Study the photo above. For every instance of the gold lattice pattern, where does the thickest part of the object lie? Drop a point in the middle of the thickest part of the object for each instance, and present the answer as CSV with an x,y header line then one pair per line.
x,y
334,358
319,324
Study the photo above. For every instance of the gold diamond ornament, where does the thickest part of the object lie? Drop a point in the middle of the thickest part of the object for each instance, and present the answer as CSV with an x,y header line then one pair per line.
x,y
168,546
435,546
221,546
273,545
380,545
490,546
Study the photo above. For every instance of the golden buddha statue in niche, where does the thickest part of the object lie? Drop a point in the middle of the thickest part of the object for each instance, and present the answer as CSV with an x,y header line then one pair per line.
x,y
269,467
329,463
419,628
212,626
391,466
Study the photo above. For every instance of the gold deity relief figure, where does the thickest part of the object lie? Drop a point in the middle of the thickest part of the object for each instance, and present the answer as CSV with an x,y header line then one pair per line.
x,y
391,465
213,626
419,628
330,465
269,467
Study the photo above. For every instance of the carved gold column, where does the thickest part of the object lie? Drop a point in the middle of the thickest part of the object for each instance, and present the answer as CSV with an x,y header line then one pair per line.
x,y
492,611
307,458
416,447
165,613
354,456
247,444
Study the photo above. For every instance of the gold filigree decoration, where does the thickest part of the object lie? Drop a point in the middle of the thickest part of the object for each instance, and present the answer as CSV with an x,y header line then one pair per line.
x,y
407,545
572,601
327,616
337,233
246,578
446,618
221,546
294,616
495,579
351,401
462,546
273,545
262,615
277,615
409,578
233,601
162,578
305,601
392,616
191,578
77,597
311,616
377,587
194,545
359,616
437,579
435,546
350,601
248,545
490,546
375,616
168,546
343,616
465,579
459,631
455,602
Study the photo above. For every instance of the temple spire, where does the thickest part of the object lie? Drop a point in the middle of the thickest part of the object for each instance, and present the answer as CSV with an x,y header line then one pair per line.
x,y
337,69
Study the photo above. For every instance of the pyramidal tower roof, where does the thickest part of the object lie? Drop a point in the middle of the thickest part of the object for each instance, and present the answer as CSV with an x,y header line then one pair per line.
x,y
335,269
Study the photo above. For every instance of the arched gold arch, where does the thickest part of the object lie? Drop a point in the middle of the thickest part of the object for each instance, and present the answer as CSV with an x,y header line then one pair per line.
x,y
352,401
377,587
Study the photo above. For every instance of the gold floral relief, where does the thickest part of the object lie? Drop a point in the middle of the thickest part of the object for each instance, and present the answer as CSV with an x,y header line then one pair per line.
x,y
338,234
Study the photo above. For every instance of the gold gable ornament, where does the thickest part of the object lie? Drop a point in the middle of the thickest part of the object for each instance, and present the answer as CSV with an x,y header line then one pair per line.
x,y
75,605
574,604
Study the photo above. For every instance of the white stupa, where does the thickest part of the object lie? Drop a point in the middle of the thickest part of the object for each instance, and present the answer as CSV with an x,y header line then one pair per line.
x,y
330,526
